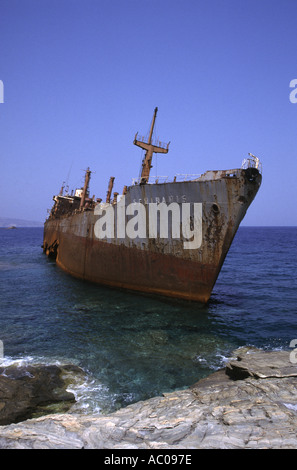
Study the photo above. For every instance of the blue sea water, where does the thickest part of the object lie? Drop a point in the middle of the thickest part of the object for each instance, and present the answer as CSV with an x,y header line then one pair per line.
x,y
133,347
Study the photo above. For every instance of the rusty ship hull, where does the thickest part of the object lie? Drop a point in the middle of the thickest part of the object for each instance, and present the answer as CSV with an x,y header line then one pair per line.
x,y
160,265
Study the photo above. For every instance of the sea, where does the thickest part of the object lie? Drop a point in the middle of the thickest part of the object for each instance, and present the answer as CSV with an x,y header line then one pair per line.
x,y
130,346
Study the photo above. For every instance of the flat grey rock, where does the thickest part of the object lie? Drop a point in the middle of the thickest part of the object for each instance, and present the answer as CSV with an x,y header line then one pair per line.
x,y
260,364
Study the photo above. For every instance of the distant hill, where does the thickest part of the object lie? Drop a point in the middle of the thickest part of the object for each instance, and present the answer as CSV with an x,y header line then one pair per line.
x,y
8,222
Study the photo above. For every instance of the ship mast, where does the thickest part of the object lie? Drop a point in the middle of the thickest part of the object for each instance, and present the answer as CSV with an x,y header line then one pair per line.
x,y
86,188
109,190
150,150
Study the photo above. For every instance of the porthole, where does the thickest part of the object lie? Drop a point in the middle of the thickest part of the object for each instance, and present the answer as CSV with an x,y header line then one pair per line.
x,y
215,208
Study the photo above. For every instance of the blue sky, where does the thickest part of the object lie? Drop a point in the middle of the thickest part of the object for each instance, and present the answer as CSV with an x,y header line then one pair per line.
x,y
81,77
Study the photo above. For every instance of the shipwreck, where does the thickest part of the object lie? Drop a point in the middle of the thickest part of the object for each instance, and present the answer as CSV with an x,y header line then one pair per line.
x,y
159,236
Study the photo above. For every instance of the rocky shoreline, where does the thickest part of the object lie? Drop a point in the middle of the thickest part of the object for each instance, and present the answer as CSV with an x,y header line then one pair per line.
x,y
251,404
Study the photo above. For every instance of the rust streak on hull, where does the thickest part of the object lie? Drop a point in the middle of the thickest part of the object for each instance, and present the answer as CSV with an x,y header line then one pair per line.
x,y
135,270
